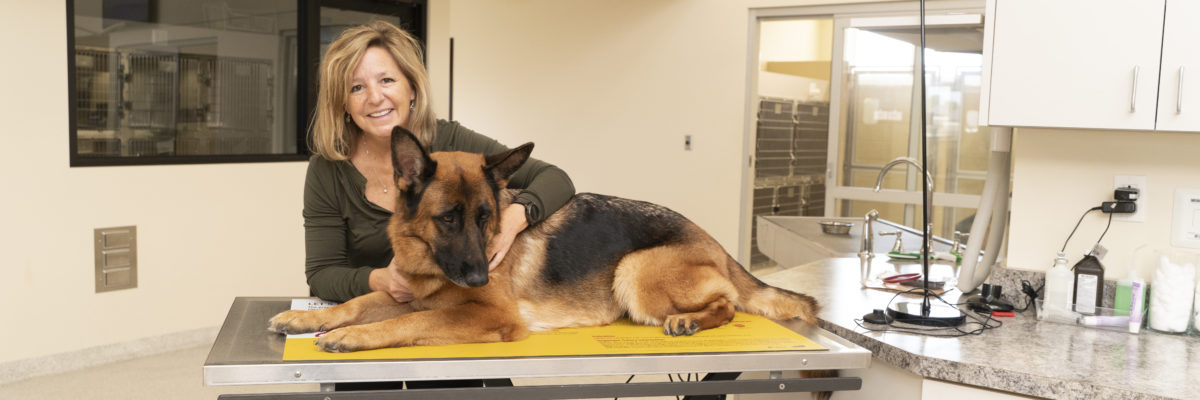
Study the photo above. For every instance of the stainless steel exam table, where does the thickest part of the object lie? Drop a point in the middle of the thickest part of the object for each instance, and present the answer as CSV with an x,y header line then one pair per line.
x,y
245,353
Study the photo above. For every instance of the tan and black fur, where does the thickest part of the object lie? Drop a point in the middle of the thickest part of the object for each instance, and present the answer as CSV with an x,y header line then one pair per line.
x,y
595,260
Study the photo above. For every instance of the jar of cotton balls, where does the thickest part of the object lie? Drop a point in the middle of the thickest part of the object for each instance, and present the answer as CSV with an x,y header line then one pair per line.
x,y
1173,292
1195,329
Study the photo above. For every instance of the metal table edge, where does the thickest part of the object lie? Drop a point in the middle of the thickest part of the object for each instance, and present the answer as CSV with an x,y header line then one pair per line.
x,y
271,369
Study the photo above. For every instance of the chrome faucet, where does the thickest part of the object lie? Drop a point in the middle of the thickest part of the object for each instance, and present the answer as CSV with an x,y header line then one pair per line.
x,y
868,236
901,160
928,190
867,252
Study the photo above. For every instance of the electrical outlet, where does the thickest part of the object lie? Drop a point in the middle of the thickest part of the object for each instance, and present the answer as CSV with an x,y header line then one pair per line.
x,y
1139,182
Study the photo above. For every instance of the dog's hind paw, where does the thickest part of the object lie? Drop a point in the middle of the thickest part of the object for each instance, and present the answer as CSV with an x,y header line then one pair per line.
x,y
293,322
676,325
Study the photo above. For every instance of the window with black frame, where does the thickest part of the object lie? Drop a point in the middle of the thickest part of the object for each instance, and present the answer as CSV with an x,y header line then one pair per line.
x,y
183,81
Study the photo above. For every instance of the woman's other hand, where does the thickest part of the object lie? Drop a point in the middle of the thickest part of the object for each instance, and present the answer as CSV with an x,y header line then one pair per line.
x,y
389,280
512,222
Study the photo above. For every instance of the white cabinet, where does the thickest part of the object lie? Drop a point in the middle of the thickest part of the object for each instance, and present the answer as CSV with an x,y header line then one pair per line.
x,y
1091,64
1180,60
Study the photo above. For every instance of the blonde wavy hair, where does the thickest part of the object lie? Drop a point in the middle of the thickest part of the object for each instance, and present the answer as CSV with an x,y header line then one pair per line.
x,y
331,135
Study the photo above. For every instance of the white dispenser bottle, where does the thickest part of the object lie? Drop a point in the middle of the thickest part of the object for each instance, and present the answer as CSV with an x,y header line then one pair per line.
x,y
1060,287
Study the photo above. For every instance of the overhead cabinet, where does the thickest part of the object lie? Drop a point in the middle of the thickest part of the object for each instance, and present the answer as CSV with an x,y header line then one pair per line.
x,y
1095,64
1180,57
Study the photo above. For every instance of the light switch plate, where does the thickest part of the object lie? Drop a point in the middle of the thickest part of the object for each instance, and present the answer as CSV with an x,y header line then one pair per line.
x,y
1185,222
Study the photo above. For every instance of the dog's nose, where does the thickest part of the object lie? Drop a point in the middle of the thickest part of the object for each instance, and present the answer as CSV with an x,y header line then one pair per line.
x,y
477,278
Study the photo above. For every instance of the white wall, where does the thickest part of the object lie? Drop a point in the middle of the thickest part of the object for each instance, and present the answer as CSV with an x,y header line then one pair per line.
x,y
1058,174
206,233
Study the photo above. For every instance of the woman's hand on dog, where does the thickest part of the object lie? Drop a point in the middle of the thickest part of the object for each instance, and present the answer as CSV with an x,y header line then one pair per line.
x,y
512,222
389,280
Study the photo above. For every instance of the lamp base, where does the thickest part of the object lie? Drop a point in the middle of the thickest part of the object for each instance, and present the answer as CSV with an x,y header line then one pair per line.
x,y
912,312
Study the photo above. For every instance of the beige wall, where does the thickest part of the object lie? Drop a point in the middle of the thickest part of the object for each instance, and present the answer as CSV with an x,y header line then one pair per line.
x,y
1058,174
608,90
206,233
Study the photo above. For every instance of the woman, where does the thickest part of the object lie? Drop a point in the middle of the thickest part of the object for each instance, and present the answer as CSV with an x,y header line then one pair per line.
x,y
372,79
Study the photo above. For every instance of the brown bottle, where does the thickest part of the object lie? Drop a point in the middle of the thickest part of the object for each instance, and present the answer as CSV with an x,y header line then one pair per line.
x,y
1089,284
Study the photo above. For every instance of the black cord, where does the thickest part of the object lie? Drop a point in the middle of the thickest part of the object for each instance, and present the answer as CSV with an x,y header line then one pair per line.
x,y
982,324
1085,213
1031,294
1110,215
670,378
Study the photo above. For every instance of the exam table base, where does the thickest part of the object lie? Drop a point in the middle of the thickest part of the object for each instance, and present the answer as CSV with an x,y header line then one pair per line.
x,y
781,385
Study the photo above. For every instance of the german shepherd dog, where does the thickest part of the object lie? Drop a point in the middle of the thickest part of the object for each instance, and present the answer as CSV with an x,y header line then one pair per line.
x,y
595,260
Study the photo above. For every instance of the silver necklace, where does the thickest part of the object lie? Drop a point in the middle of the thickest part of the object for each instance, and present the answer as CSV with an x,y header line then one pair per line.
x,y
372,167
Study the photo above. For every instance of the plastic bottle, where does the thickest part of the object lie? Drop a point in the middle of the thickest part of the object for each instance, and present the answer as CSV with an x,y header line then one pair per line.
x,y
1124,296
1059,286
1122,303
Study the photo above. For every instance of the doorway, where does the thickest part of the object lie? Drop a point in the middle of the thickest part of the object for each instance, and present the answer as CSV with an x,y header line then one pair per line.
x,y
849,73
792,121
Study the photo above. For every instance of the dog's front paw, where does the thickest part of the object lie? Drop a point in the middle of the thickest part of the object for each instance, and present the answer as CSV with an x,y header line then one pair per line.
x,y
296,321
344,340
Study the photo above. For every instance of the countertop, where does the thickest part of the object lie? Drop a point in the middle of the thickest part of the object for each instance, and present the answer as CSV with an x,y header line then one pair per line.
x,y
1023,356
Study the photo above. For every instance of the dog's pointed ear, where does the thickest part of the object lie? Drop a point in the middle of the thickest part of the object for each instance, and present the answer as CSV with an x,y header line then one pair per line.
x,y
411,164
501,166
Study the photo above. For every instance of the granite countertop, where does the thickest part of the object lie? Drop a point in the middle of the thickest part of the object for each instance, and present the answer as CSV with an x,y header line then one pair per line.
x,y
1023,356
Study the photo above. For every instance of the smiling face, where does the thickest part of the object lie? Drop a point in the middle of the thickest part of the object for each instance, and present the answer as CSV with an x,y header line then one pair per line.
x,y
379,94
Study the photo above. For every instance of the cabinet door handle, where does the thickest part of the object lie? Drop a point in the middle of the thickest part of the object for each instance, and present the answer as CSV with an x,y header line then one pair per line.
x,y
1179,99
1133,97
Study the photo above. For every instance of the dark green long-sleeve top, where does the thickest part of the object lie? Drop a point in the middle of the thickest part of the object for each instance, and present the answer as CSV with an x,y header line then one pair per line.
x,y
345,235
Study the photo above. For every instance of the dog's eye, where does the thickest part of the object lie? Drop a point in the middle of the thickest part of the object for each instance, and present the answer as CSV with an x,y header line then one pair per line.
x,y
449,219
